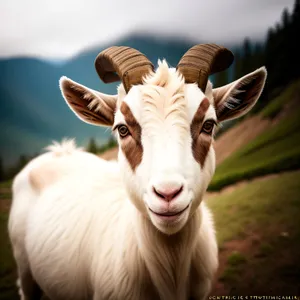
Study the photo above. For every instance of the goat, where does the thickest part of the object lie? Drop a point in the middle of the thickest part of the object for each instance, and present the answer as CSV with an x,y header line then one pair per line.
x,y
85,228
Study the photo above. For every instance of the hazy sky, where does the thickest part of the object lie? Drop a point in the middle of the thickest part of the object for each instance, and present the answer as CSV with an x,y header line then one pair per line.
x,y
62,28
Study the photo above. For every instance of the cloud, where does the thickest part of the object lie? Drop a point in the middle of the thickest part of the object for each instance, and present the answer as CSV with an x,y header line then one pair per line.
x,y
62,28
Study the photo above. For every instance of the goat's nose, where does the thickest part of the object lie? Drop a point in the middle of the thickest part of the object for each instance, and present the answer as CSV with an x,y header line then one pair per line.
x,y
168,194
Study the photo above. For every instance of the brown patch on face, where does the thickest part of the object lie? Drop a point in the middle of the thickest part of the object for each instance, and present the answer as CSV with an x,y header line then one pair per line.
x,y
200,140
132,145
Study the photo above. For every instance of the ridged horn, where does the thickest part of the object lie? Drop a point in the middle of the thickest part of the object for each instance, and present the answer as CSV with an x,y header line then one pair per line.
x,y
122,63
203,60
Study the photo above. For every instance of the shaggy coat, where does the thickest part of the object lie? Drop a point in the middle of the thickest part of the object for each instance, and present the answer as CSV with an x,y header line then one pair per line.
x,y
85,228
91,243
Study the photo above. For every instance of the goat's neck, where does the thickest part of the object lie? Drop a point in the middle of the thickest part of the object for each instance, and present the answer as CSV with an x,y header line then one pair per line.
x,y
168,258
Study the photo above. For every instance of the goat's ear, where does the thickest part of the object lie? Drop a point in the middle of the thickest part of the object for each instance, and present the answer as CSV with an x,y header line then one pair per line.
x,y
237,98
90,106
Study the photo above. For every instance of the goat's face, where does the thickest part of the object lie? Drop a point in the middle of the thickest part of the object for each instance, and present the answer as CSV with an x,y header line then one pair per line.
x,y
165,131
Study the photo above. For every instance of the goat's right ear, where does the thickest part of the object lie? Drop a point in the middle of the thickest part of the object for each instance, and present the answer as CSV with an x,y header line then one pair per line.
x,y
90,106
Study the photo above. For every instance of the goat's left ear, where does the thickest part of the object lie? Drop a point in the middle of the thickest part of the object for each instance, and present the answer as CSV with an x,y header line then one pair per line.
x,y
237,98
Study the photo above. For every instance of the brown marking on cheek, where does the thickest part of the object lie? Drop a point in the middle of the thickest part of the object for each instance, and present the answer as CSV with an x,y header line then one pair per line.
x,y
200,141
132,145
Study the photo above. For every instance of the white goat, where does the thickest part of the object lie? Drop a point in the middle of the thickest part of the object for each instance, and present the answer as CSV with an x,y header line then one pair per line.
x,y
85,228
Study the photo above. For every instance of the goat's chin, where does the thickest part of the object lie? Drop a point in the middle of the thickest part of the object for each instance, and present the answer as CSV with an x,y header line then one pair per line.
x,y
170,225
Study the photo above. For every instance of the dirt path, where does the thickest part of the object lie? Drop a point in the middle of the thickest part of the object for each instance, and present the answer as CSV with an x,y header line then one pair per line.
x,y
269,264
239,135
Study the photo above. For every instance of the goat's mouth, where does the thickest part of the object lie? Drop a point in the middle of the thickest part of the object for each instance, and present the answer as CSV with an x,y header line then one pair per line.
x,y
170,214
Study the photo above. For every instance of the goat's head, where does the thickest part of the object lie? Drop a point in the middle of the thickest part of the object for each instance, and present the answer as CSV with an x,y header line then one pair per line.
x,y
164,121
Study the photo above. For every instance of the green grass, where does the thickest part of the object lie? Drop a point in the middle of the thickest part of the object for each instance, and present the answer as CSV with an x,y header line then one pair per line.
x,y
5,184
265,249
231,274
5,195
276,105
233,270
270,209
236,258
7,266
5,189
275,150
258,204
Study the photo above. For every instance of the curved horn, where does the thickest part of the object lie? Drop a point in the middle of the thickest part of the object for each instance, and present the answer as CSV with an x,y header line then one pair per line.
x,y
203,60
123,63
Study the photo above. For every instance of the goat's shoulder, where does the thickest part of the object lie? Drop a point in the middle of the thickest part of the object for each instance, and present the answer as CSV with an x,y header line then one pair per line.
x,y
62,162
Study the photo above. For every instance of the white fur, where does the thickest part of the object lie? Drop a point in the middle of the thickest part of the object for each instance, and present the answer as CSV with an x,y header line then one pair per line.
x,y
82,227
91,242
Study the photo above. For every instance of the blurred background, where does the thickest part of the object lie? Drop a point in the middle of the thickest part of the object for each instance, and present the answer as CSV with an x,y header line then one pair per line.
x,y
255,193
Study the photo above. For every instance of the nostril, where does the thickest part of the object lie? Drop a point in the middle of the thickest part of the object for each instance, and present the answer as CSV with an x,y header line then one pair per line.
x,y
177,192
157,193
167,194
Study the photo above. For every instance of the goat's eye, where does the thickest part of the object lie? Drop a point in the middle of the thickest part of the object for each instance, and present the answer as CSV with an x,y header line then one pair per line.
x,y
123,130
208,127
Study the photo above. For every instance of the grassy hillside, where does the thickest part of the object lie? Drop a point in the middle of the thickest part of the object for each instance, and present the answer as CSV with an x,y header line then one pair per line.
x,y
276,105
273,151
258,204
8,289
259,236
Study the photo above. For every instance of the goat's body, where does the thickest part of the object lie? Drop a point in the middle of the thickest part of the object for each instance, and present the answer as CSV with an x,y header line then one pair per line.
x,y
73,228
84,228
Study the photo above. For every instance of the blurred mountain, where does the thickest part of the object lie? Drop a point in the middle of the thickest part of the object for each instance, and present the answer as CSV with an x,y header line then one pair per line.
x,y
32,110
